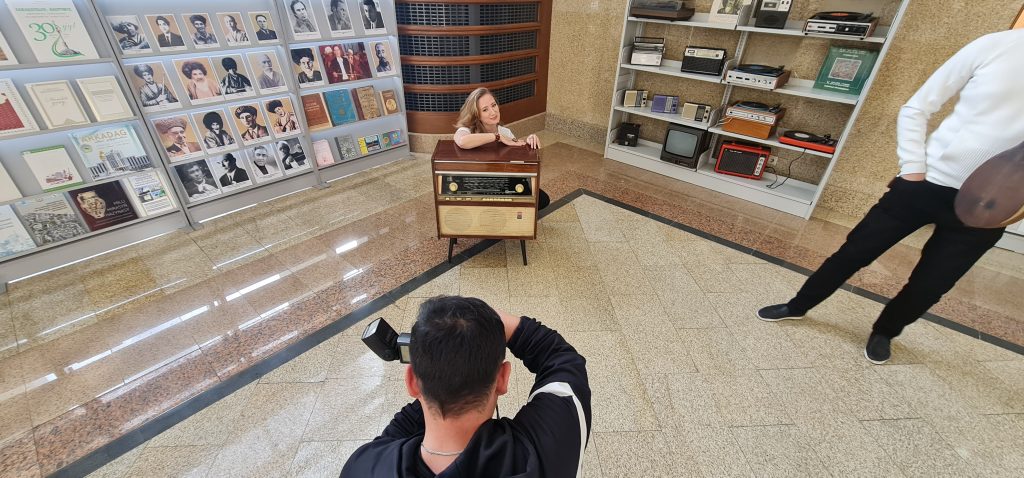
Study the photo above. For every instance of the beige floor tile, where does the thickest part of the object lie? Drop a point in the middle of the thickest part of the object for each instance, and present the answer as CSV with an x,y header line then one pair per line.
x,y
691,310
991,444
623,280
8,337
651,252
534,281
714,449
445,284
477,282
917,449
1010,372
349,358
744,399
780,450
714,350
184,461
587,313
267,434
312,366
211,426
353,408
621,402
322,459
618,254
493,256
120,466
646,454
802,395
670,280
846,448
715,277
924,390
863,393
581,282
768,347
983,391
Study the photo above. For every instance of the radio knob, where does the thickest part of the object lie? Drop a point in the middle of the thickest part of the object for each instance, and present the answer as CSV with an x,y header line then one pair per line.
x,y
453,187
520,188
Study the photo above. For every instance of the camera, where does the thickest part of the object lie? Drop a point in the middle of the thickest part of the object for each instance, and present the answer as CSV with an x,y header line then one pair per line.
x,y
389,345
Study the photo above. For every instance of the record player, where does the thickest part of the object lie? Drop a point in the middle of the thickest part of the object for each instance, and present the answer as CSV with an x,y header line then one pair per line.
x,y
670,10
852,24
750,118
758,76
806,140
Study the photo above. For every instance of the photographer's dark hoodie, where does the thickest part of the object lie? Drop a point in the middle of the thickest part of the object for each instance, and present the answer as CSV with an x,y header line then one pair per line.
x,y
545,439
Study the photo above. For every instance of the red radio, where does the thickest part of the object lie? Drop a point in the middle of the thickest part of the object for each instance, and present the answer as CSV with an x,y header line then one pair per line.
x,y
742,160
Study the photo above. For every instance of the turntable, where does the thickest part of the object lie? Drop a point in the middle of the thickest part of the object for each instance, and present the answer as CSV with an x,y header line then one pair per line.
x,y
849,24
803,139
758,76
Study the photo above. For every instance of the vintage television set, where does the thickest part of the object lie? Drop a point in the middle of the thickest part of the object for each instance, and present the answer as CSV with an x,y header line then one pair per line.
x,y
684,145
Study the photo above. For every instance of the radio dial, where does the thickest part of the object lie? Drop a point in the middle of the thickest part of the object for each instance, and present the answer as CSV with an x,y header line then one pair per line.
x,y
452,186
520,188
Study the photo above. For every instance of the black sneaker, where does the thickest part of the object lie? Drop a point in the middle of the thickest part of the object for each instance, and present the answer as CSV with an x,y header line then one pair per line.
x,y
777,312
878,351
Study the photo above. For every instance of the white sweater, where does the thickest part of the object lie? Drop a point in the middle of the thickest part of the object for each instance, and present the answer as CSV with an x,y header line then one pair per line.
x,y
987,119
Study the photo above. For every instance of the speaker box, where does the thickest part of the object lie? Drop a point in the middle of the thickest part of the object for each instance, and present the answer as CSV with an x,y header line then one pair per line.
x,y
771,19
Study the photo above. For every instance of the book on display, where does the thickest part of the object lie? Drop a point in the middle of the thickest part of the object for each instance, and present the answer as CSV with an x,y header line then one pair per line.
x,y
53,29
103,205
49,218
111,151
52,168
13,236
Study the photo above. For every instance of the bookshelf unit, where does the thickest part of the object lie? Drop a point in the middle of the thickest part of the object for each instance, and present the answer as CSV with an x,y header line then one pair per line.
x,y
797,197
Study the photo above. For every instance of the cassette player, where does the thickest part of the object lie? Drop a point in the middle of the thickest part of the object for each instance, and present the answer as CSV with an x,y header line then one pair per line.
x,y
485,185
849,24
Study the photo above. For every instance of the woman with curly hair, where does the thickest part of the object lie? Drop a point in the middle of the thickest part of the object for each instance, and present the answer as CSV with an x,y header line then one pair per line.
x,y
199,85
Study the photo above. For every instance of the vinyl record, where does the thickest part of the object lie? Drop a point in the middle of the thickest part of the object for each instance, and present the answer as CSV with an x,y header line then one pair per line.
x,y
752,105
842,16
801,135
760,69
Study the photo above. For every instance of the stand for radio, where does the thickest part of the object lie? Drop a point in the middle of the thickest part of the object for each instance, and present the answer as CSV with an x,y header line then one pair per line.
x,y
488,192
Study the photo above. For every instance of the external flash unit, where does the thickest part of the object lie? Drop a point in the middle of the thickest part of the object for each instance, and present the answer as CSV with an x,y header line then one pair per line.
x,y
389,345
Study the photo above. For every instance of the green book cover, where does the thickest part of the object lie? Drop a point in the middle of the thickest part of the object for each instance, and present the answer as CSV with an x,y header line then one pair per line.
x,y
845,70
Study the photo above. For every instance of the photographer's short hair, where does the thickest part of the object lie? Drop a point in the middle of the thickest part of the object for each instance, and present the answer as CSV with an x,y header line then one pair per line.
x,y
458,346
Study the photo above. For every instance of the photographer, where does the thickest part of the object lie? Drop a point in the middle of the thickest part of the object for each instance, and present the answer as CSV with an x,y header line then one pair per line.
x,y
457,372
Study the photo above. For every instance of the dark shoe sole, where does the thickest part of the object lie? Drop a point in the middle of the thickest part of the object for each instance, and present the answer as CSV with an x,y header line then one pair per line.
x,y
876,362
795,317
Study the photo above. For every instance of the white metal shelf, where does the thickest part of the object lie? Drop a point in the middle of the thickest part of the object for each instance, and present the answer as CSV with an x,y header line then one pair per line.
x,y
671,68
806,89
51,64
335,130
793,28
64,129
698,20
772,141
670,117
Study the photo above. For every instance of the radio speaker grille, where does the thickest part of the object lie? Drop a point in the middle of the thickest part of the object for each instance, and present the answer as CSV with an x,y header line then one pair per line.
x,y
436,74
432,14
428,45
507,42
508,14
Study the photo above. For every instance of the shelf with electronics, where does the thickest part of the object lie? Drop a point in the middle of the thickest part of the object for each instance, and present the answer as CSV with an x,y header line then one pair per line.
x,y
79,174
792,176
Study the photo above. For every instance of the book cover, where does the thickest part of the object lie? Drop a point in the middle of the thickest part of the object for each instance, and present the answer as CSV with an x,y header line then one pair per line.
x,y
103,205
366,102
105,98
316,112
8,190
13,236
340,107
845,70
14,115
57,103
323,153
347,147
49,218
389,100
369,144
52,167
394,138
111,151
6,54
53,30
149,193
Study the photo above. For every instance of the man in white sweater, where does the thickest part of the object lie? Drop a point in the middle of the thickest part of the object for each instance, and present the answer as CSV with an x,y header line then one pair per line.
x,y
985,121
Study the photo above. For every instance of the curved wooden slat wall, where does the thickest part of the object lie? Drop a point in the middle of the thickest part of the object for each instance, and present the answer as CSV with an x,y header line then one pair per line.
x,y
439,119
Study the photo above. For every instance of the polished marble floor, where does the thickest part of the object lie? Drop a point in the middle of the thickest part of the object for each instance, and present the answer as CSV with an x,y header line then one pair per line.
x,y
687,380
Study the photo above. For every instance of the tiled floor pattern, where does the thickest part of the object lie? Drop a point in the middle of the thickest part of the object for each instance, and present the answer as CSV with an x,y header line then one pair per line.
x,y
686,381
90,352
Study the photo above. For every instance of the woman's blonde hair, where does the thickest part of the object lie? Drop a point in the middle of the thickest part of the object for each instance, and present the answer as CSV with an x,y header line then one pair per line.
x,y
469,115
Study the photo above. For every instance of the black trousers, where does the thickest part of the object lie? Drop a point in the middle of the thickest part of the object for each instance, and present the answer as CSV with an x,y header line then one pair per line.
x,y
945,258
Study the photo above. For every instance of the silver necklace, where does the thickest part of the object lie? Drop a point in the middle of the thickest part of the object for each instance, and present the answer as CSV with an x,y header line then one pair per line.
x,y
441,453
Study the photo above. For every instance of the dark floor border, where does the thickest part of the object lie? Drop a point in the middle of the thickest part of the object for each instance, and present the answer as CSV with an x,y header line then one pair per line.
x,y
111,451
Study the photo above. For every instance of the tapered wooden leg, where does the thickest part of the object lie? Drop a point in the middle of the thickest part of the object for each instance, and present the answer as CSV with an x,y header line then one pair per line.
x,y
451,247
522,245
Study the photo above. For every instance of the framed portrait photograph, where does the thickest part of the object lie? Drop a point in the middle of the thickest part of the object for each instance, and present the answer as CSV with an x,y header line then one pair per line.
x,y
215,131
235,79
197,180
356,61
251,123
265,166
281,113
105,99
232,24
729,11
381,59
166,32
131,38
178,137
6,54
334,63
267,71
151,83
302,20
200,30
306,68
57,103
373,20
266,31
292,156
231,171
199,80
338,18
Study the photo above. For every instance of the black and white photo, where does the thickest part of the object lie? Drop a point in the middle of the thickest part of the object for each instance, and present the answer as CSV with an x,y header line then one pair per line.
x,y
380,57
235,79
265,166
167,32
307,68
266,32
302,20
230,171
197,180
338,18
130,37
200,30
151,83
373,20
233,27
269,78
293,158
215,131
178,137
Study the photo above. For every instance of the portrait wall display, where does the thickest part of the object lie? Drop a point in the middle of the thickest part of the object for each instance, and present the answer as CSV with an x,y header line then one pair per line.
x,y
199,80
267,70
338,18
197,180
131,38
200,30
166,32
231,170
306,67
265,165
153,86
266,30
251,123
215,131
232,25
373,20
235,78
281,113
302,20
292,155
178,137
381,59
356,60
